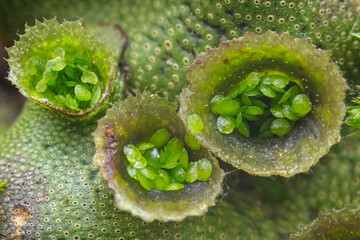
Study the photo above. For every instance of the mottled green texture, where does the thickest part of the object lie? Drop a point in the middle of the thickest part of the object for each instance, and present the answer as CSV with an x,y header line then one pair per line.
x,y
219,70
134,121
51,176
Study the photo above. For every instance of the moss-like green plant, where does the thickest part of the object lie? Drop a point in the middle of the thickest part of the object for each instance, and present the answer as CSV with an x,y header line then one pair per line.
x,y
3,183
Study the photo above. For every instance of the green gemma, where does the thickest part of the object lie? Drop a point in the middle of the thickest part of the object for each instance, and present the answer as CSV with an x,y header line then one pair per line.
x,y
163,163
354,114
263,105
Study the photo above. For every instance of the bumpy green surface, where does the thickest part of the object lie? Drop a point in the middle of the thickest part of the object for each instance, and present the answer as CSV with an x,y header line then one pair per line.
x,y
54,191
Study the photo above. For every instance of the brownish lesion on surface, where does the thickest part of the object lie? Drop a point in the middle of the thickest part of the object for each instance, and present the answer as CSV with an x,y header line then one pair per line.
x,y
19,217
21,200
112,151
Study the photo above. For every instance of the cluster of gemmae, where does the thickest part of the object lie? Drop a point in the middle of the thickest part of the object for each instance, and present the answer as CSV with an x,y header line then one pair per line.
x,y
72,80
163,163
263,105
